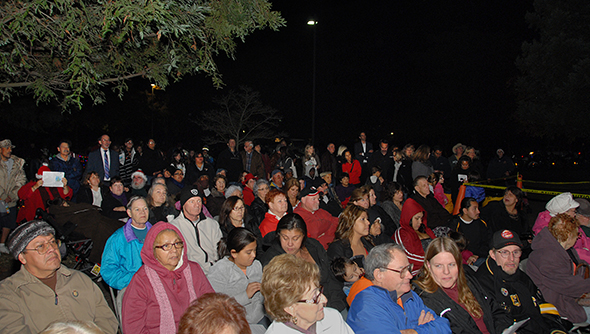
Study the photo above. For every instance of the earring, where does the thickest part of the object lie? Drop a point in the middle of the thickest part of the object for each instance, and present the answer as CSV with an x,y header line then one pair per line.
x,y
294,320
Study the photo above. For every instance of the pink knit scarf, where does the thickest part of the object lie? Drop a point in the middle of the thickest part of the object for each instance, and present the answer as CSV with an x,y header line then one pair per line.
x,y
167,323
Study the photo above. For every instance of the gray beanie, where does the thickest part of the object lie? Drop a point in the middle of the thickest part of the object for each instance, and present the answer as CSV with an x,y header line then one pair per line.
x,y
25,233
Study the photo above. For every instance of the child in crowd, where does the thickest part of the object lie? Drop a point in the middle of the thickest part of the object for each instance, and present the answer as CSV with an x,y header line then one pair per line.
x,y
346,271
376,181
344,189
435,181
461,242
238,274
478,193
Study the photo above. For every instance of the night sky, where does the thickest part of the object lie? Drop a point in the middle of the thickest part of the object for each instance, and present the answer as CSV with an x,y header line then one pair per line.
x,y
432,73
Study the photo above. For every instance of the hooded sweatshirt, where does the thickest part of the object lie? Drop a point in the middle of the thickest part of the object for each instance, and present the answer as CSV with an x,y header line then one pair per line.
x,y
408,238
156,298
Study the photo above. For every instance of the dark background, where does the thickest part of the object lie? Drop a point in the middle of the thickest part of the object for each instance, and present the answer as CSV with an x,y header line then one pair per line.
x,y
431,73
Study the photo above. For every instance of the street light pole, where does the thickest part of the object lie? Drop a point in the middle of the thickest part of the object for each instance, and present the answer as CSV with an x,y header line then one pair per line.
x,y
313,23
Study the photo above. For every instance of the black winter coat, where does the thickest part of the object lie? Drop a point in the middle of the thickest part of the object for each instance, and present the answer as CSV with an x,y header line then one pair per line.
x,y
461,321
332,287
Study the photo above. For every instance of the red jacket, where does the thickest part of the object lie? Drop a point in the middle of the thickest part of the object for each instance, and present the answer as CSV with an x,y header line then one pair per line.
x,y
37,199
408,238
354,171
320,225
248,196
269,223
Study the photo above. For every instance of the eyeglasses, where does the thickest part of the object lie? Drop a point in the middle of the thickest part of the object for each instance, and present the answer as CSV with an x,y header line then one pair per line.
x,y
44,247
402,272
314,300
505,253
241,208
167,247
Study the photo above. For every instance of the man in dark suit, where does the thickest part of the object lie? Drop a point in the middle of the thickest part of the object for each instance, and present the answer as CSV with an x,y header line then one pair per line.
x,y
362,153
104,161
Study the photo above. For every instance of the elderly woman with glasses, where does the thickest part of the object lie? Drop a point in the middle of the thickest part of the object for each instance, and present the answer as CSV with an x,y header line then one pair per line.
x,y
165,286
444,288
294,298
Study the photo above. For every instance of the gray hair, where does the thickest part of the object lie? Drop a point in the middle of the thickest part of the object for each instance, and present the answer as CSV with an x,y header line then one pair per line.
x,y
73,327
232,189
258,183
159,180
133,199
379,257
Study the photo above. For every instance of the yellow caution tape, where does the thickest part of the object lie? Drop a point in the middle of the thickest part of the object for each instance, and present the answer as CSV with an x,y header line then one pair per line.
x,y
531,191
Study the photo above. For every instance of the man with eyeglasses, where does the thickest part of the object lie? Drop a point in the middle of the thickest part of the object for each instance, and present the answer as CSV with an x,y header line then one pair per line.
x,y
121,256
390,305
44,291
511,287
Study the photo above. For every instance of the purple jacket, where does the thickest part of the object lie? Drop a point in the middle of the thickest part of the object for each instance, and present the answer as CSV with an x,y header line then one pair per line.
x,y
551,268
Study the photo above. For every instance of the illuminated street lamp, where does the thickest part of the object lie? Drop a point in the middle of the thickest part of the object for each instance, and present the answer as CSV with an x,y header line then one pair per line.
x,y
313,23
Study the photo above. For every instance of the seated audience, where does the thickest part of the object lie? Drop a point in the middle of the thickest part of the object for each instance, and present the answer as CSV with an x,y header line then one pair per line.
x,y
217,197
161,205
175,184
28,299
389,305
346,271
214,313
444,288
165,286
121,256
138,185
513,289
202,233
393,201
238,274
350,239
291,189
509,214
277,208
438,216
552,266
114,203
91,191
258,208
473,229
248,191
344,189
413,235
35,196
291,238
235,214
294,298
321,225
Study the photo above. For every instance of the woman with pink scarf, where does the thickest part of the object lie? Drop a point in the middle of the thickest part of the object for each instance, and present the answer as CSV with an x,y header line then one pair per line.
x,y
165,286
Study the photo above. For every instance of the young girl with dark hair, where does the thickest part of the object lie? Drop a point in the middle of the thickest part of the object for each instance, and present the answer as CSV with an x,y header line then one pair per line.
x,y
238,273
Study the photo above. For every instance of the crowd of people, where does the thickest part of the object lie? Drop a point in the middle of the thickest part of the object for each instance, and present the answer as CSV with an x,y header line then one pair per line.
x,y
349,241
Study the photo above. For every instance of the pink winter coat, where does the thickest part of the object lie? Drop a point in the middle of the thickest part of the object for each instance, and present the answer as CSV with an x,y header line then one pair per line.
x,y
141,310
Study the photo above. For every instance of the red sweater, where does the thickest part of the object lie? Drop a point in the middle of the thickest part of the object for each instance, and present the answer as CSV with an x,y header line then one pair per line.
x,y
320,225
